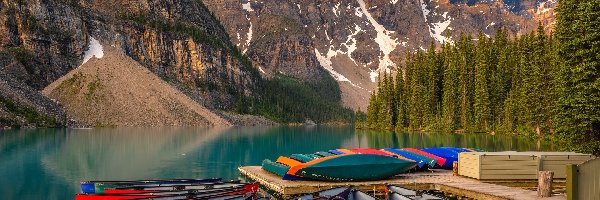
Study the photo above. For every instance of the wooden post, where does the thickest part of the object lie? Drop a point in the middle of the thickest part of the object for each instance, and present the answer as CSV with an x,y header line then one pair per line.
x,y
545,183
572,180
455,168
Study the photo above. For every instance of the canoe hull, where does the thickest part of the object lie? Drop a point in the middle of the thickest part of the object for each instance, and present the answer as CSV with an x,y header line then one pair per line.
x,y
355,167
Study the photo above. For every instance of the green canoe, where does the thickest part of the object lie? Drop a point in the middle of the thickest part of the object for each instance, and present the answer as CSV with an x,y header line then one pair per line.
x,y
353,167
274,167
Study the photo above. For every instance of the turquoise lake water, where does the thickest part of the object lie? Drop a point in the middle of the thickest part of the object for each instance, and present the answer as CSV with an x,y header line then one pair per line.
x,y
50,163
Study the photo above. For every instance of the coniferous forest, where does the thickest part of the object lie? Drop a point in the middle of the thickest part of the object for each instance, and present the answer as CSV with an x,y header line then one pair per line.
x,y
537,84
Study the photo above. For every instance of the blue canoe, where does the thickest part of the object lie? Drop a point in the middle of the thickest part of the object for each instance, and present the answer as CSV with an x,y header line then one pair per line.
x,y
449,153
420,162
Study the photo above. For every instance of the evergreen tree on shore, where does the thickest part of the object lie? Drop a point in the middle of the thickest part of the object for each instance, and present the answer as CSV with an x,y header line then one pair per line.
x,y
535,84
578,103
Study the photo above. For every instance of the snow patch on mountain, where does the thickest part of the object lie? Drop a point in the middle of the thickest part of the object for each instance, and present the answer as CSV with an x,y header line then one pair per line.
x,y
358,12
336,10
543,8
394,1
424,9
437,31
327,64
247,7
383,39
491,24
94,50
248,38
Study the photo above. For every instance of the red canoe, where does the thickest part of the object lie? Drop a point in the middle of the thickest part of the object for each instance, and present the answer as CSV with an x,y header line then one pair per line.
x,y
371,151
441,161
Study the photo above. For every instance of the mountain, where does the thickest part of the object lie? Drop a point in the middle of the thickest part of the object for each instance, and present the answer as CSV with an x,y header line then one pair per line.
x,y
181,42
355,40
111,89
291,61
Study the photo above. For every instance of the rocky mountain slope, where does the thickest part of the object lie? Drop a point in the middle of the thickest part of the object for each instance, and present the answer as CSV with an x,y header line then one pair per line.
x,y
355,40
179,41
111,89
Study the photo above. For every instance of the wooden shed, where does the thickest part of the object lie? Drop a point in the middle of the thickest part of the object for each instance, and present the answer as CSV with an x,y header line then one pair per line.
x,y
511,165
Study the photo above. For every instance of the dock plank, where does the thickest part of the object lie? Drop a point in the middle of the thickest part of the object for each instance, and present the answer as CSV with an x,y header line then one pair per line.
x,y
440,180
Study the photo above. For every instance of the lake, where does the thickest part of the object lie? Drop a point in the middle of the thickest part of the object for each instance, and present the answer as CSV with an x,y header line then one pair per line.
x,y
50,163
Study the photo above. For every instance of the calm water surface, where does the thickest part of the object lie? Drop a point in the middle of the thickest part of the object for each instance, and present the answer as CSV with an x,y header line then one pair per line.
x,y
49,163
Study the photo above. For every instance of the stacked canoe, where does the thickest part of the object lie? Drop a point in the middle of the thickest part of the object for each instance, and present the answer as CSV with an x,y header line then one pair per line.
x,y
361,164
337,193
392,193
214,188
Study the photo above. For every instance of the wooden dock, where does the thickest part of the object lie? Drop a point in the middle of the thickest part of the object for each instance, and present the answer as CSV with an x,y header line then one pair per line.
x,y
441,180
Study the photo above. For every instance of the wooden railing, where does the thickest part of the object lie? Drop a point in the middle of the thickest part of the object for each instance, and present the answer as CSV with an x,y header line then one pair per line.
x,y
583,180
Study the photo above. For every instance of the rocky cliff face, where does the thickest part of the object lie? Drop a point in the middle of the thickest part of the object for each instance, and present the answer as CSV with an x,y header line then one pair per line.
x,y
180,41
355,40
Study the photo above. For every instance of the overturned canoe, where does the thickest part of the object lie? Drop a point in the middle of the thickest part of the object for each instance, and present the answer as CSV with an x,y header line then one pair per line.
x,y
450,154
98,187
352,167
421,160
335,193
224,191
440,160
371,151
398,193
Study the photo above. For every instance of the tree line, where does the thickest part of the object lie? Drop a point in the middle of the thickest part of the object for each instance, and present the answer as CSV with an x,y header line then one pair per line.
x,y
477,84
534,84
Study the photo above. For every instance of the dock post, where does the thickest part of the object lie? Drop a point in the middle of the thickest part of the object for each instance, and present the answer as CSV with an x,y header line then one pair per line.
x,y
545,183
572,182
455,168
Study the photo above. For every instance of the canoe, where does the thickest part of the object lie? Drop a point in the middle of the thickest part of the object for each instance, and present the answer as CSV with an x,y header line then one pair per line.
x,y
160,188
370,151
336,152
380,152
420,163
345,151
402,191
440,161
304,157
398,193
92,187
422,160
279,170
450,154
358,195
232,192
352,167
396,196
158,196
324,154
335,193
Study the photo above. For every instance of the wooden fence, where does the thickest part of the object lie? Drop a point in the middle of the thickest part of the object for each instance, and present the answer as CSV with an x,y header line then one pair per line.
x,y
583,181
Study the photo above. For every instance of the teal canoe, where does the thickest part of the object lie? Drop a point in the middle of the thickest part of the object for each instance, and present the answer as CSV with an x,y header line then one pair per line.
x,y
353,167
274,167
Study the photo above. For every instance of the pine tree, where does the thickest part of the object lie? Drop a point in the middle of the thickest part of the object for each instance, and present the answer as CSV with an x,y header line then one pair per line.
x,y
372,111
400,93
465,48
482,99
450,97
359,120
578,111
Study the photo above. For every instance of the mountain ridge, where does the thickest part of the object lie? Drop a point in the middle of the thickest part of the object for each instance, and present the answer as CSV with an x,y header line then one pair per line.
x,y
356,40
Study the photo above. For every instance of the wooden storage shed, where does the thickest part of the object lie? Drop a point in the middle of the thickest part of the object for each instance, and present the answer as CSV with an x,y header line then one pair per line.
x,y
511,165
